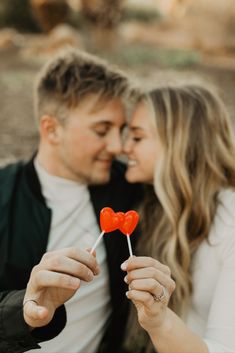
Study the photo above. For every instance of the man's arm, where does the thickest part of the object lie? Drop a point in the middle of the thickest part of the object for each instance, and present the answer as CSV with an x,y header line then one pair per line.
x,y
52,282
15,336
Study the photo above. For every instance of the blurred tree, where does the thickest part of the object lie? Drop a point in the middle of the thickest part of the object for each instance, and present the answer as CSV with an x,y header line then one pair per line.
x,y
50,13
99,17
102,17
17,14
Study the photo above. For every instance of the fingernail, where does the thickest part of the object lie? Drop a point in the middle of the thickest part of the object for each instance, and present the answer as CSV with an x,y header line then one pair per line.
x,y
90,275
125,279
127,294
124,266
96,271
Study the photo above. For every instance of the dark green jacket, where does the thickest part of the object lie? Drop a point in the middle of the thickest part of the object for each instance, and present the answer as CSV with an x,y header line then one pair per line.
x,y
24,228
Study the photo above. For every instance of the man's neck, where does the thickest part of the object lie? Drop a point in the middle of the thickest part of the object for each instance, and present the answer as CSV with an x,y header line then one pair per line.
x,y
47,160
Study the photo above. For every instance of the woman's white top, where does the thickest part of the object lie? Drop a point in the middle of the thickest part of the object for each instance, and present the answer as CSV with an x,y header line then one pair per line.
x,y
212,313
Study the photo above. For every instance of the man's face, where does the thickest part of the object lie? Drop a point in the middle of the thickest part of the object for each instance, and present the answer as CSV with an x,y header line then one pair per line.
x,y
89,141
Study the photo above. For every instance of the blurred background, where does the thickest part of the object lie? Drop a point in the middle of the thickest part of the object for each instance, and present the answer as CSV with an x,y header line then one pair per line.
x,y
155,41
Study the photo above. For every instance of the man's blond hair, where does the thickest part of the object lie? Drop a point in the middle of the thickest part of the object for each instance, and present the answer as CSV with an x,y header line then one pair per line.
x,y
73,75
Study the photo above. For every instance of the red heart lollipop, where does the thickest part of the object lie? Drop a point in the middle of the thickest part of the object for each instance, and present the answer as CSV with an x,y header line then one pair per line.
x,y
131,219
121,216
109,220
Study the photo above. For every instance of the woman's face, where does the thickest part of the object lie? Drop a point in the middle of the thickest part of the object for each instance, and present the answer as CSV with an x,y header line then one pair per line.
x,y
142,146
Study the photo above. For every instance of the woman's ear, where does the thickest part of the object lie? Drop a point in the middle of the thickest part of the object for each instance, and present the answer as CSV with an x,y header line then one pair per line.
x,y
49,126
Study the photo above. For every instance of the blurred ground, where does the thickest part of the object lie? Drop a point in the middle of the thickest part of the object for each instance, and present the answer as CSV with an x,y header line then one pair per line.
x,y
154,53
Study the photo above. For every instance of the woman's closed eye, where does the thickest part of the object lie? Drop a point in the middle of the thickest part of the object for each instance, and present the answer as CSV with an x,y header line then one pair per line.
x,y
136,138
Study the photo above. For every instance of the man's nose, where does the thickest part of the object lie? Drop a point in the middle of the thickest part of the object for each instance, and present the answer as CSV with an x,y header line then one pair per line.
x,y
114,145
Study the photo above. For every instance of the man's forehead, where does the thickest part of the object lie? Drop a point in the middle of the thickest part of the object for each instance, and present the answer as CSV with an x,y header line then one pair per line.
x,y
95,102
100,108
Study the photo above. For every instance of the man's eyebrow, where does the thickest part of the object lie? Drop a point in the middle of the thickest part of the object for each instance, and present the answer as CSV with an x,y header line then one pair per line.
x,y
108,123
102,122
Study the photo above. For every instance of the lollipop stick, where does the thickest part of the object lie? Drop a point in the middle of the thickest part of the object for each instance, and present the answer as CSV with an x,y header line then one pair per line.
x,y
97,242
129,244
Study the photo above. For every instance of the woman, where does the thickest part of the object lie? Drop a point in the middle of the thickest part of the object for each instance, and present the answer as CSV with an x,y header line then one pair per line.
x,y
180,144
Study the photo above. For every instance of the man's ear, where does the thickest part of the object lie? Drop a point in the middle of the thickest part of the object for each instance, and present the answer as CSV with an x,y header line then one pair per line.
x,y
49,127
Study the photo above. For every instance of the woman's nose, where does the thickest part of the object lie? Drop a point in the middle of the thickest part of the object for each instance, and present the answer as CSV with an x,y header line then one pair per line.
x,y
126,146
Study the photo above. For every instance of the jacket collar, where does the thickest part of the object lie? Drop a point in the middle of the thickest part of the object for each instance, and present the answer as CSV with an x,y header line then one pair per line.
x,y
101,195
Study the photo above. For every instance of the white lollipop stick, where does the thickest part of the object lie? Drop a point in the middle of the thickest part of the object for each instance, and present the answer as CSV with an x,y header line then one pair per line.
x,y
129,244
97,242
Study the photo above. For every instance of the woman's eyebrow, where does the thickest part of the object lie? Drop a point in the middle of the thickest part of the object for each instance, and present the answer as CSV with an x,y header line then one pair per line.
x,y
136,128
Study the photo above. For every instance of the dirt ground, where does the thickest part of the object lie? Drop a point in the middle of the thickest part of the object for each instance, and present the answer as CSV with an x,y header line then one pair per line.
x,y
18,132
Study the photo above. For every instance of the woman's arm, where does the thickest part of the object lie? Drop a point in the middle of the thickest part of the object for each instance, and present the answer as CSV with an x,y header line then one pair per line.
x,y
173,336
150,288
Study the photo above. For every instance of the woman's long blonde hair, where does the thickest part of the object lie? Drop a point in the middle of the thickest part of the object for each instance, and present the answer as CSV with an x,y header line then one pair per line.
x,y
198,160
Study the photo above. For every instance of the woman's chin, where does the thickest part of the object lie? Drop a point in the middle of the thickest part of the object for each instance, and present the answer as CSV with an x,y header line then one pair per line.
x,y
131,177
134,177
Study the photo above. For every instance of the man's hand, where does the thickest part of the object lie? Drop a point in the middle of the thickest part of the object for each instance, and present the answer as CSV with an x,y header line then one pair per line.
x,y
54,281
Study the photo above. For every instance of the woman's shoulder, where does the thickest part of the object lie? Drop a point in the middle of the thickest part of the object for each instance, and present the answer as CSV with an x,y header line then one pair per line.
x,y
222,233
226,207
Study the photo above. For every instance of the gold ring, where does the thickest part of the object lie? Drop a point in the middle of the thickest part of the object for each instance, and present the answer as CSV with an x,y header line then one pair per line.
x,y
162,297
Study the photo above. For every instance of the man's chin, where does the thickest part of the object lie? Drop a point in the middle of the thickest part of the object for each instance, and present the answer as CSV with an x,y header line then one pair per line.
x,y
100,179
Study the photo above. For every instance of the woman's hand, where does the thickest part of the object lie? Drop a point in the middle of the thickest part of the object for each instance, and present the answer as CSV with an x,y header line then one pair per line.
x,y
54,281
150,287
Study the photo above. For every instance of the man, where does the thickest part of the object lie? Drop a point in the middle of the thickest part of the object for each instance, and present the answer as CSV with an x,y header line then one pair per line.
x,y
50,209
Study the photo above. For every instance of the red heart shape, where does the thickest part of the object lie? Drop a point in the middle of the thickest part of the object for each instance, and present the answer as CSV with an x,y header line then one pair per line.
x,y
129,223
121,217
109,220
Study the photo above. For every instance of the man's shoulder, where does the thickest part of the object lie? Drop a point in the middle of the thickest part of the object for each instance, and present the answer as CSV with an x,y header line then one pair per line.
x,y
118,170
10,170
120,186
8,176
118,174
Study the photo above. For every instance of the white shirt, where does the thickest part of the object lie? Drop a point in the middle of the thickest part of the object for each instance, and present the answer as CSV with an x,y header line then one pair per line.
x,y
212,314
74,224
